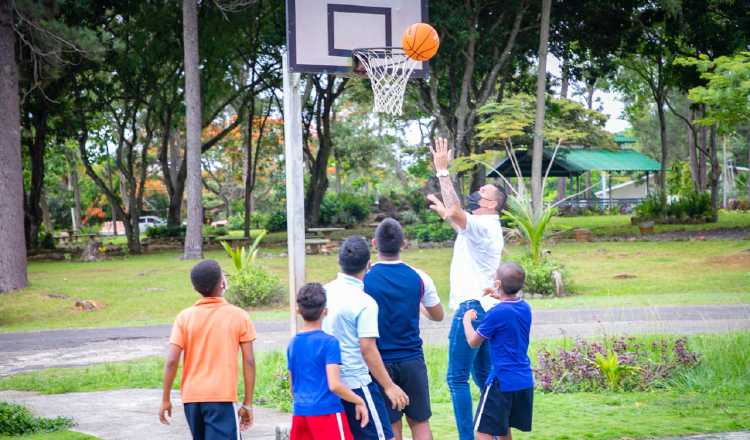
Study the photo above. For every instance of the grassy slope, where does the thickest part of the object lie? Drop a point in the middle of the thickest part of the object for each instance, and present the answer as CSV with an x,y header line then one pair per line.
x,y
60,435
709,398
152,288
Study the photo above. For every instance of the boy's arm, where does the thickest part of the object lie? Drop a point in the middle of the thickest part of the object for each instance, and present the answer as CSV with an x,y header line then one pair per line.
x,y
434,313
333,374
370,353
473,338
170,371
248,372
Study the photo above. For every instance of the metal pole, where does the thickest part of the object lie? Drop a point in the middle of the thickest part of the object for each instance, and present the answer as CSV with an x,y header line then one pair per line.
x,y
295,200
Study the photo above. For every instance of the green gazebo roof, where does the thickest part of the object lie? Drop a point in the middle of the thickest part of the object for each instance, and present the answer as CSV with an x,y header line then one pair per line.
x,y
574,162
621,139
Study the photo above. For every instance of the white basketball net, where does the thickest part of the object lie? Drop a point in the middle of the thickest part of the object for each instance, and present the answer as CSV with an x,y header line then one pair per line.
x,y
389,70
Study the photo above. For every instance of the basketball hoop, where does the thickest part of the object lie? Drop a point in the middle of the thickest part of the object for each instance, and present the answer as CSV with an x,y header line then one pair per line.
x,y
389,70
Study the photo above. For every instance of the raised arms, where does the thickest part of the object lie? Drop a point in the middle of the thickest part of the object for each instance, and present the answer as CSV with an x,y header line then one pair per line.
x,y
450,208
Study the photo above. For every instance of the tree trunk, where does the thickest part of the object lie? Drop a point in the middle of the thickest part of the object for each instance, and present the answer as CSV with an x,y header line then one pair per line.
x,y
693,153
590,89
248,168
478,177
663,139
748,165
564,79
13,249
715,171
36,158
561,188
703,141
193,236
46,215
541,81
73,186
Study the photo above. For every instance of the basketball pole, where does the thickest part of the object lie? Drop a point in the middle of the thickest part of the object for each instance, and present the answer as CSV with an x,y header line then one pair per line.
x,y
295,198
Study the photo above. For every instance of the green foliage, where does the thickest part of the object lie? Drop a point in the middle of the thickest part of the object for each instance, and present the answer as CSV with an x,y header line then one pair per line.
x,y
692,207
216,231
17,420
254,286
679,179
431,232
345,209
613,371
276,221
531,226
272,387
243,257
539,275
166,232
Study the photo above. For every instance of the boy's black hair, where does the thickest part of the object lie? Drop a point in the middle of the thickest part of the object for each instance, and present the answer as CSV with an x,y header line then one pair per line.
x,y
388,237
354,255
511,276
311,301
206,277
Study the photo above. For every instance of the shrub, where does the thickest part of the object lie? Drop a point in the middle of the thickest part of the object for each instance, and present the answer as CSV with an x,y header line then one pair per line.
x,y
693,206
236,221
539,278
254,286
17,420
166,232
218,231
344,209
431,232
619,364
408,217
276,221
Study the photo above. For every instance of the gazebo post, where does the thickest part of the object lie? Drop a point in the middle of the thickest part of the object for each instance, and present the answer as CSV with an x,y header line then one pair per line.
x,y
648,188
609,188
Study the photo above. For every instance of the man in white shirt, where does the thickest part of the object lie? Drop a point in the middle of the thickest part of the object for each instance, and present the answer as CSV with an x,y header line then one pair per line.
x,y
353,319
476,255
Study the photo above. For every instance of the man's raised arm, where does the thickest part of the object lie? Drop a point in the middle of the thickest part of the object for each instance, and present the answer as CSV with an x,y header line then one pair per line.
x,y
450,208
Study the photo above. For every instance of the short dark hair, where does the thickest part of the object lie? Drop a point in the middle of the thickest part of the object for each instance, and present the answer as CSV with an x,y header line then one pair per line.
x,y
311,301
354,255
511,276
388,237
206,277
502,196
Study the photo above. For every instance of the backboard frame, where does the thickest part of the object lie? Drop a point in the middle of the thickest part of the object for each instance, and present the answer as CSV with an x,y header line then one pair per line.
x,y
346,6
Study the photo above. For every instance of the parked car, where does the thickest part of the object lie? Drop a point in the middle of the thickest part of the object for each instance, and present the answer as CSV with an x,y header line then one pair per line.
x,y
147,222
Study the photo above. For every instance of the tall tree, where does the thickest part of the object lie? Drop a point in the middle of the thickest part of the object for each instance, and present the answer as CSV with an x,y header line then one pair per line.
x,y
13,249
194,234
541,90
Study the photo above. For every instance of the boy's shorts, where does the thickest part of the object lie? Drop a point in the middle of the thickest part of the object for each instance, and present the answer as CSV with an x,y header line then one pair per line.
x,y
378,427
326,427
499,411
411,376
212,420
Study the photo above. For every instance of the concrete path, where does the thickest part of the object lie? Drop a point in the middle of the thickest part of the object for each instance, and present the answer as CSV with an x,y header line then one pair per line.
x,y
129,414
77,347
718,436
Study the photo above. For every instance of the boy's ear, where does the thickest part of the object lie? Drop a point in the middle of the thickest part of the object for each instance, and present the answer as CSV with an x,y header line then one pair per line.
x,y
299,312
372,242
403,244
498,284
325,312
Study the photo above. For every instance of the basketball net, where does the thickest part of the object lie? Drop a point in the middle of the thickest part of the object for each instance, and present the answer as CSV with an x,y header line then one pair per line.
x,y
389,70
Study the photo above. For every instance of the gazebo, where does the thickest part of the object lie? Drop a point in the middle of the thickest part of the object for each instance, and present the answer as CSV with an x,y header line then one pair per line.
x,y
572,162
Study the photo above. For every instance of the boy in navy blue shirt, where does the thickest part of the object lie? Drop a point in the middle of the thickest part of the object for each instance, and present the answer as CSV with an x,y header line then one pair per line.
x,y
401,292
313,359
507,399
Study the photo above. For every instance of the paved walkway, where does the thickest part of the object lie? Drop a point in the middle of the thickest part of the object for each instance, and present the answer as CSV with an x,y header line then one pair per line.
x,y
77,347
129,414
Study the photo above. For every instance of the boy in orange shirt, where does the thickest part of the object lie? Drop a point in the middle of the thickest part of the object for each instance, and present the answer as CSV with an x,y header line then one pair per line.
x,y
211,333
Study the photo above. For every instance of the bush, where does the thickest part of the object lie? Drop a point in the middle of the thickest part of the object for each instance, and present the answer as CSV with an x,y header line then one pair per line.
x,y
431,232
408,217
691,207
539,279
17,420
166,232
254,286
236,221
276,221
615,364
344,209
217,231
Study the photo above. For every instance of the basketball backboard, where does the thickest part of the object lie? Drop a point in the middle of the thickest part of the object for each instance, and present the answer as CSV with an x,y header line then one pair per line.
x,y
321,34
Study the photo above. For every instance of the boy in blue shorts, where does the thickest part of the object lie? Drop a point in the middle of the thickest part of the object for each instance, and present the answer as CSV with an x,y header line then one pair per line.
x,y
508,396
353,319
400,292
313,359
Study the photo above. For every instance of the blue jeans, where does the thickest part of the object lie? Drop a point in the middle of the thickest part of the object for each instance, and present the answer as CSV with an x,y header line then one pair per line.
x,y
462,362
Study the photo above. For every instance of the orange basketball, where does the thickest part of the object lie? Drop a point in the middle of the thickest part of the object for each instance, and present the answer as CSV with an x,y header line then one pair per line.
x,y
420,41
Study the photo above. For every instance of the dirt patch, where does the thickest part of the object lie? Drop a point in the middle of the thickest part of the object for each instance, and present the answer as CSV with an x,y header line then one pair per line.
x,y
738,261
624,276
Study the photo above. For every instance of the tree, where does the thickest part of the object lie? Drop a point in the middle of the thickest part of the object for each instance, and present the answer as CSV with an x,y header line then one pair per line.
x,y
194,234
13,249
536,160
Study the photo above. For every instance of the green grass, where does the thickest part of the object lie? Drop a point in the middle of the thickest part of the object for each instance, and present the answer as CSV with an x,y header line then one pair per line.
x,y
153,288
619,225
60,435
711,397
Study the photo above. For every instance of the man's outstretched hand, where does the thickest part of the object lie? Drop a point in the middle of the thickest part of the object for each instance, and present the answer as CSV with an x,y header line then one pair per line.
x,y
437,206
441,154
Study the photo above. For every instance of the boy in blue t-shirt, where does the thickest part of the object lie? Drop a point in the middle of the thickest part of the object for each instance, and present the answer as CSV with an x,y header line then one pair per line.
x,y
313,359
508,396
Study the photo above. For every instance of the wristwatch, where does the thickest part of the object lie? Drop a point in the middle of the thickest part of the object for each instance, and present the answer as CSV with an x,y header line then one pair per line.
x,y
248,408
442,173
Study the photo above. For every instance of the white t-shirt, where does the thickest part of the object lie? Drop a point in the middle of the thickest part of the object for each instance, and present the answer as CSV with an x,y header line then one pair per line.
x,y
352,314
476,254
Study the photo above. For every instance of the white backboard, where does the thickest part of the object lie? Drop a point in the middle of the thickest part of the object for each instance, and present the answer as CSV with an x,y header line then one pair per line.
x,y
322,33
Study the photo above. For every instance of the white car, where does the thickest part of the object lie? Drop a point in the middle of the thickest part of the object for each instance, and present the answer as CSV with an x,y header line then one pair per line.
x,y
147,222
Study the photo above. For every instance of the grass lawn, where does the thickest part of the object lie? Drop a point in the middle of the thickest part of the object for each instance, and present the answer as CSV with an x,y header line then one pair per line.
x,y
152,288
618,225
711,397
59,435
